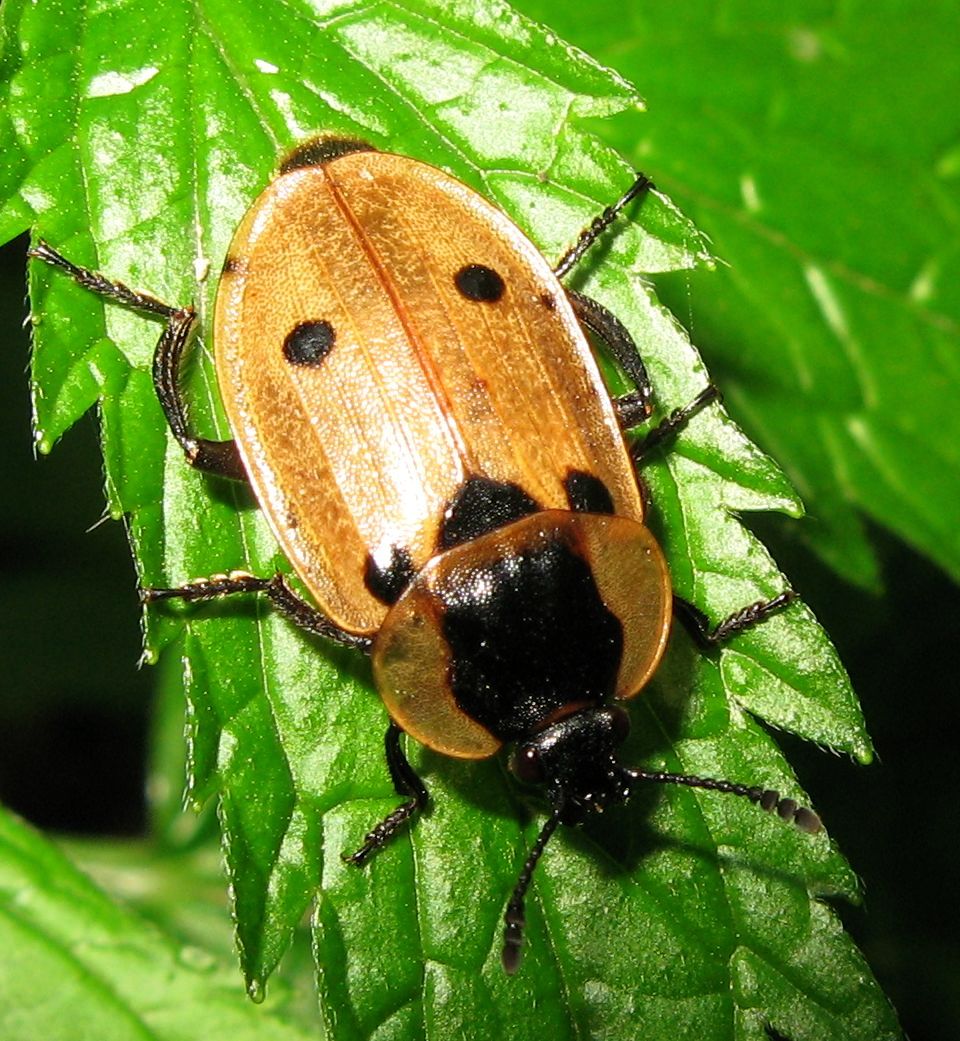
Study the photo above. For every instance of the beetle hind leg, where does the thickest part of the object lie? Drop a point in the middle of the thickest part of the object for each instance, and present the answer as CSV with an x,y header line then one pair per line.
x,y
407,782
637,405
216,457
220,458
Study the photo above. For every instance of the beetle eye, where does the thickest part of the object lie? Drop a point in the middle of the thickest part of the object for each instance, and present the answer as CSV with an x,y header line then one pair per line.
x,y
621,724
526,765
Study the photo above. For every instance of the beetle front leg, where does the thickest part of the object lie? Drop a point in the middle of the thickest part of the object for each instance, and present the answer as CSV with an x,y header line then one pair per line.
x,y
406,781
216,457
708,638
293,607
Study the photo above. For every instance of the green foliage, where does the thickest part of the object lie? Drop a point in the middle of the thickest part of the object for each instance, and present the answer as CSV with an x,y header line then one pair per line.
x,y
137,151
75,965
816,144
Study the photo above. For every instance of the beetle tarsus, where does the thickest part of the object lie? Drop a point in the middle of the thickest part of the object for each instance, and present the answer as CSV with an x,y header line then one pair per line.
x,y
380,834
674,423
406,781
221,458
698,625
293,607
100,284
641,185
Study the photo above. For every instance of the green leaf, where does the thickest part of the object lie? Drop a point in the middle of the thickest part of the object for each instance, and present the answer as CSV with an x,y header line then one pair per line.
x,y
73,965
812,143
137,151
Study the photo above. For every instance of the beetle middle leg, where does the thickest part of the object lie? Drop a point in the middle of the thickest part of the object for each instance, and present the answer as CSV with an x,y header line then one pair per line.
x,y
637,405
216,457
698,625
407,782
277,590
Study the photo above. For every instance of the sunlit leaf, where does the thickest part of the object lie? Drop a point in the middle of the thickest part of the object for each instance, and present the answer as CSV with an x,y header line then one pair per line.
x,y
817,146
73,964
137,150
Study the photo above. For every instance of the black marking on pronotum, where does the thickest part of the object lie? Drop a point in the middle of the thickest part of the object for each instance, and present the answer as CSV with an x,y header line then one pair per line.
x,y
321,150
479,282
481,505
387,581
529,635
309,343
586,493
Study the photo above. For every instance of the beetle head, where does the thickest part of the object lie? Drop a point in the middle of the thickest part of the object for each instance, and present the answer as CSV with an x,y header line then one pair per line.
x,y
574,760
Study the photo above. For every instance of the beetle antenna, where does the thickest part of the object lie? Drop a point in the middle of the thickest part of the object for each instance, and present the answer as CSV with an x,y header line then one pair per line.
x,y
514,919
766,798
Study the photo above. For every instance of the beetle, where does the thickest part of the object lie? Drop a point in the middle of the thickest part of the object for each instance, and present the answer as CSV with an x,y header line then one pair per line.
x,y
416,405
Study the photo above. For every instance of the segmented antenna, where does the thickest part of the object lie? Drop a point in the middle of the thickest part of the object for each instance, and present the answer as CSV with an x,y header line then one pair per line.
x,y
766,798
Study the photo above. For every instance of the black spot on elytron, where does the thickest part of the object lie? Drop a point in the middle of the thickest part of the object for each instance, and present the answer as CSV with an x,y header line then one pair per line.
x,y
481,505
480,283
321,150
586,493
528,634
387,581
309,343
234,265
549,301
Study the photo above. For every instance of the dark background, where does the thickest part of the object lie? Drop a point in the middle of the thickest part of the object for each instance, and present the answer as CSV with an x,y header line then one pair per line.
x,y
74,714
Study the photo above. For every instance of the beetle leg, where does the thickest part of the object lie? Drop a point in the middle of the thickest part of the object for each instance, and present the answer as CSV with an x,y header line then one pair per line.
x,y
100,284
635,407
305,616
216,457
674,423
599,225
698,625
406,781
221,458
632,409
